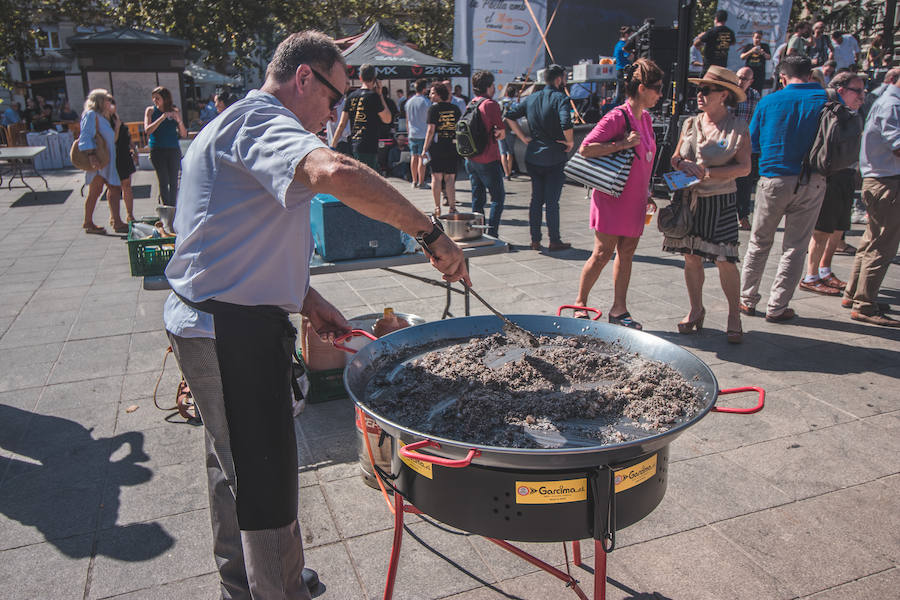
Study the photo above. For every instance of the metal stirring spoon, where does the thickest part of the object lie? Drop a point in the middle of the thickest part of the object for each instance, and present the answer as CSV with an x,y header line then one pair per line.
x,y
514,332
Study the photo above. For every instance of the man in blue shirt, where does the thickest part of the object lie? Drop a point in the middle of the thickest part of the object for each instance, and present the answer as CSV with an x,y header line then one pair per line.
x,y
552,137
416,125
879,164
623,59
11,115
782,131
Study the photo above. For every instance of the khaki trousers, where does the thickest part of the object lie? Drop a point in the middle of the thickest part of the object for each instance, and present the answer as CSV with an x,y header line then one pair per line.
x,y
879,243
775,198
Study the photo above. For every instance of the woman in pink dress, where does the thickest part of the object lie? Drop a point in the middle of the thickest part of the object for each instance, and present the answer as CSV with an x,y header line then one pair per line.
x,y
619,222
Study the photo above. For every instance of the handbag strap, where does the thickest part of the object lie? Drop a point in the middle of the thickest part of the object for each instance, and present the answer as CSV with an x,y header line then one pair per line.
x,y
628,127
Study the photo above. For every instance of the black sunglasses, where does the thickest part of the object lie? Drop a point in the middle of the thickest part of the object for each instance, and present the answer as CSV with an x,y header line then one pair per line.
x,y
326,83
656,87
859,91
706,90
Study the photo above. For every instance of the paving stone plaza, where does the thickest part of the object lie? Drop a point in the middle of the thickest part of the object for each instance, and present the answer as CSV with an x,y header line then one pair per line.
x,y
101,500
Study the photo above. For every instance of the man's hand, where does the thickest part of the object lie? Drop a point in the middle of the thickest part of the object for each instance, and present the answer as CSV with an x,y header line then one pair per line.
x,y
447,258
325,319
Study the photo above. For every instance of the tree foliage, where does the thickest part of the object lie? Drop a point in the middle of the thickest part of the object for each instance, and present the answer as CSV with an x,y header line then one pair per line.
x,y
21,21
244,34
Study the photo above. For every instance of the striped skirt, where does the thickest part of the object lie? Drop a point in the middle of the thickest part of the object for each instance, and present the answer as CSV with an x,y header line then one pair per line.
x,y
714,235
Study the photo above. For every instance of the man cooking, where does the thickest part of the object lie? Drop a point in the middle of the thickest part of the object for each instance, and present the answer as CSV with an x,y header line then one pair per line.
x,y
241,264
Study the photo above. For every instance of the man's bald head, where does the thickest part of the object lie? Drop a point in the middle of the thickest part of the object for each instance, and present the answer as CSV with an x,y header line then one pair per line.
x,y
892,76
745,77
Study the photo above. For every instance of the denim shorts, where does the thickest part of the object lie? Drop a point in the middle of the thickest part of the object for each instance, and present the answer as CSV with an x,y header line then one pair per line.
x,y
416,145
504,148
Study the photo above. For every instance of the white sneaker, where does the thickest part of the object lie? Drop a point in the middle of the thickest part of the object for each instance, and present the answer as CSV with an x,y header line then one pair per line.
x,y
859,217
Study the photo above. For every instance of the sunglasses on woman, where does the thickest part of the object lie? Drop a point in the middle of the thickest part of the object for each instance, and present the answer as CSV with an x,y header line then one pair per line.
x,y
706,90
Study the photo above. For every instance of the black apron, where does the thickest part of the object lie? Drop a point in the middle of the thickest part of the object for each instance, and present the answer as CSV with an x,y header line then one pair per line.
x,y
255,347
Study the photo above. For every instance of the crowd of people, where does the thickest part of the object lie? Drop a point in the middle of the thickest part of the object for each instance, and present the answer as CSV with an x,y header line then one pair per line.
x,y
39,113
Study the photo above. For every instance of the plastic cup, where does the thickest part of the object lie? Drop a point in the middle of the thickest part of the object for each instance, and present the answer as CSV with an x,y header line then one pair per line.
x,y
649,215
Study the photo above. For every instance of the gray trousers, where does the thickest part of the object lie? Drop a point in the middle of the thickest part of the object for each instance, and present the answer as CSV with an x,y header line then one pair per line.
x,y
264,564
775,198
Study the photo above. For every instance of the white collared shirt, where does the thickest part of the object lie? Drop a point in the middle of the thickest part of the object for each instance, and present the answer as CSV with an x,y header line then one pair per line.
x,y
242,221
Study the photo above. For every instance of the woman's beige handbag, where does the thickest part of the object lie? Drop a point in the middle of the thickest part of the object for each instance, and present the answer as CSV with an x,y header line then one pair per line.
x,y
81,159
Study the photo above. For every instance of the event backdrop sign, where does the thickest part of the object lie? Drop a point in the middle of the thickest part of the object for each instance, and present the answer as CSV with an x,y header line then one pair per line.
x,y
746,16
499,36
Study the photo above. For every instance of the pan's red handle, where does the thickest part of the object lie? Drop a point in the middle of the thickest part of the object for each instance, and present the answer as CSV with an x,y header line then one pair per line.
x,y
743,411
409,451
574,307
356,332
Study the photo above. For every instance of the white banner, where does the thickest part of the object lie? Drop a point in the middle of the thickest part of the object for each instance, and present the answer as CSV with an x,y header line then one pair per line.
x,y
746,16
499,36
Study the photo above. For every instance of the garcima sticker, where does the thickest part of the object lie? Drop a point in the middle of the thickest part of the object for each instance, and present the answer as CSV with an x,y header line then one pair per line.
x,y
551,492
631,476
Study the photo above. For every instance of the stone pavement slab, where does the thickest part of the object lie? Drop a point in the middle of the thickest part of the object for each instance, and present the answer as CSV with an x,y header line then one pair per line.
x,y
99,499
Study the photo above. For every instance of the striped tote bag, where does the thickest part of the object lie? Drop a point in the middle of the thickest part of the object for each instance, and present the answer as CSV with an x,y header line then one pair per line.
x,y
606,173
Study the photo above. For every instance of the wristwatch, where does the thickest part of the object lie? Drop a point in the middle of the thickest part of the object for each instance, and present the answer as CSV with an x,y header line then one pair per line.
x,y
426,238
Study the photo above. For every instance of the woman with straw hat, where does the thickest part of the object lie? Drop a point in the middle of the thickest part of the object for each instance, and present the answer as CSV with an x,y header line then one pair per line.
x,y
714,147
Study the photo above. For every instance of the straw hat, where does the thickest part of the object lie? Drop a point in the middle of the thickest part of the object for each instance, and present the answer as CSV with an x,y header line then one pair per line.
x,y
721,77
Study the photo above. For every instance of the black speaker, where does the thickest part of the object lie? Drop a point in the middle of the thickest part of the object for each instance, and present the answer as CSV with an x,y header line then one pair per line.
x,y
662,48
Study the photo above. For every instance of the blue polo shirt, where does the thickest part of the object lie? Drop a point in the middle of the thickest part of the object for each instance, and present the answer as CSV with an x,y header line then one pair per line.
x,y
784,126
620,55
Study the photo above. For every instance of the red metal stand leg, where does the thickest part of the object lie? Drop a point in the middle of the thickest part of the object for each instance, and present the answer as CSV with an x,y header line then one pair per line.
x,y
570,581
395,547
599,571
576,553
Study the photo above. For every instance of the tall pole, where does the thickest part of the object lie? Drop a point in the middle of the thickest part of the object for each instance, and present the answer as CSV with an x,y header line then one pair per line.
x,y
890,14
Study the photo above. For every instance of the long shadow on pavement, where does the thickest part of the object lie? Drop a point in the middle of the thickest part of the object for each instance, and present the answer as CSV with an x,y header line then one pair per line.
x,y
58,476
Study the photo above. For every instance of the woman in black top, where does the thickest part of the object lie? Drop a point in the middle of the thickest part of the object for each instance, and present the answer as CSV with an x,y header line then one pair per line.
x,y
124,163
439,139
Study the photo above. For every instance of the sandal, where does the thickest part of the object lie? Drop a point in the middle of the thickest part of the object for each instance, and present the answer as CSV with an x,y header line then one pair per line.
x,y
94,229
625,320
581,314
120,228
735,337
686,327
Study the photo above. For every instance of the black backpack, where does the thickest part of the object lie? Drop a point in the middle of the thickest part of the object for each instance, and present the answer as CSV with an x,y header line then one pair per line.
x,y
837,141
471,134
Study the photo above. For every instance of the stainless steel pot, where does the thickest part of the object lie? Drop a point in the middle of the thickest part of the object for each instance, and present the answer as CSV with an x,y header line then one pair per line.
x,y
391,350
462,226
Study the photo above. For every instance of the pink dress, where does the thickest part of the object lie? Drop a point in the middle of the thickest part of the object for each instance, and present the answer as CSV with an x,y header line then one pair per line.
x,y
624,215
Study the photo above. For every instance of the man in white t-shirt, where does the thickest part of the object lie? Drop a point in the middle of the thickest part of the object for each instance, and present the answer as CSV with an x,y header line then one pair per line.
x,y
241,264
846,50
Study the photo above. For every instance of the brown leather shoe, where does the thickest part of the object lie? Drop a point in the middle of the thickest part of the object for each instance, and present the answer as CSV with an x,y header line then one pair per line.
x,y
878,318
786,315
848,303
536,246
832,281
819,287
554,246
745,309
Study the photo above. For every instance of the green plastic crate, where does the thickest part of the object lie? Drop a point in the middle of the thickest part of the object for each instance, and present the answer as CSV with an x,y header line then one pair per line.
x,y
149,256
324,385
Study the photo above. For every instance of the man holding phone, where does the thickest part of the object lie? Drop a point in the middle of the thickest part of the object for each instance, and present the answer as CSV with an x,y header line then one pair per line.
x,y
366,110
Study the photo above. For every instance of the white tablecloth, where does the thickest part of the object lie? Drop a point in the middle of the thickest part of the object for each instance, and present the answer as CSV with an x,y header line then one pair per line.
x,y
57,154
